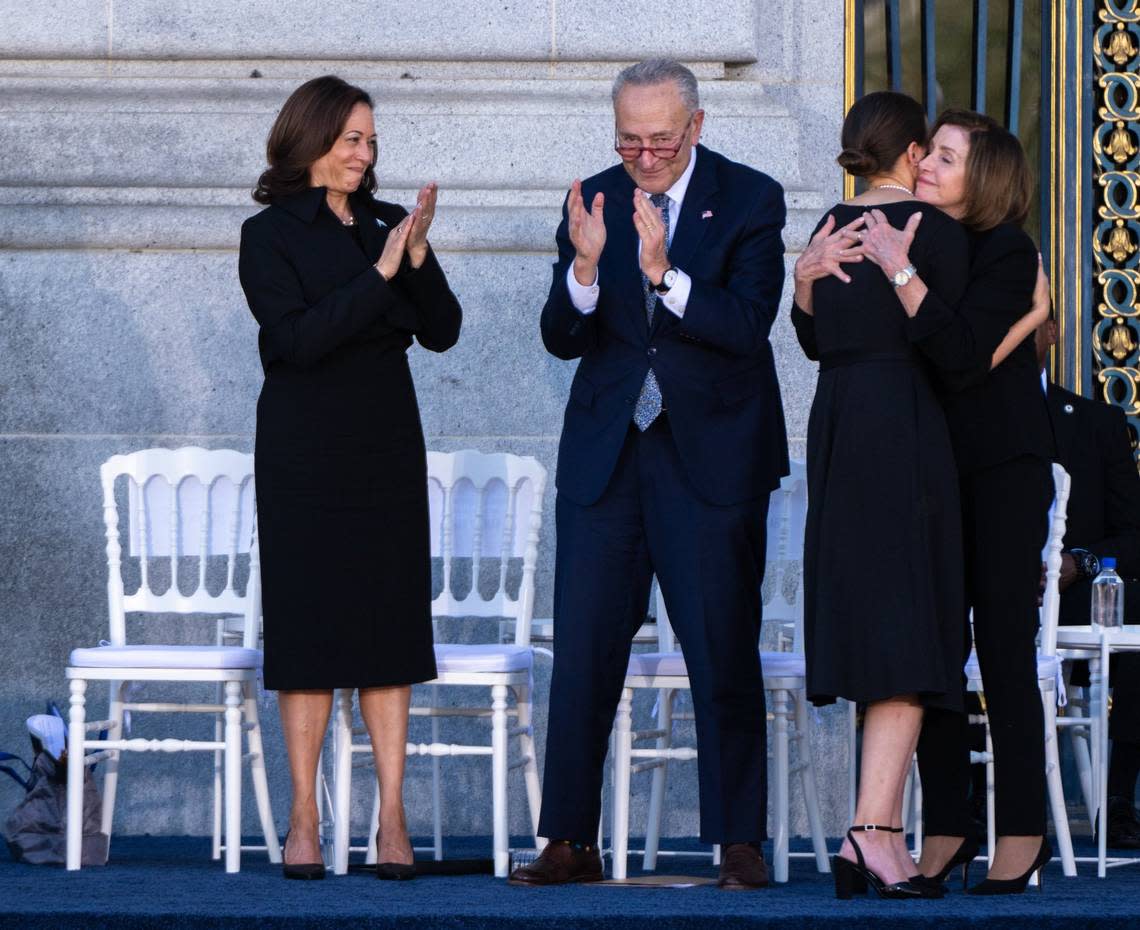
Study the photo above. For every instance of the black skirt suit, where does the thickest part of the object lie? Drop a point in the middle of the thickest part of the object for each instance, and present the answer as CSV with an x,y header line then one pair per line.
x,y
1003,443
340,465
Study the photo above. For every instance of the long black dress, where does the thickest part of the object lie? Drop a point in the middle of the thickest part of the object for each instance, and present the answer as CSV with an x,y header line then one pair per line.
x,y
883,595
340,466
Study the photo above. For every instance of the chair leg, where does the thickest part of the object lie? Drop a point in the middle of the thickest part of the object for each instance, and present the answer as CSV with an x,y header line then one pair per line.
x,y
806,758
342,779
111,769
529,753
499,779
852,759
219,769
665,699
372,853
233,775
436,782
1079,743
780,764
623,745
76,749
258,776
1056,792
991,814
916,809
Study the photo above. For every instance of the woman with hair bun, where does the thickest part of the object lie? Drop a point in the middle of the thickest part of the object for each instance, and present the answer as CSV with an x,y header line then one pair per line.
x,y
340,284
883,575
977,172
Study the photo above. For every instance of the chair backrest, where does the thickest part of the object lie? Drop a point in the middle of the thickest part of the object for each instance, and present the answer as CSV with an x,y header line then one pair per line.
x,y
486,506
1051,599
782,592
183,505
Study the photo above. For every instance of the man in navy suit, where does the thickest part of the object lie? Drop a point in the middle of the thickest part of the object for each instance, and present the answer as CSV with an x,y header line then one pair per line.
x,y
1104,520
670,268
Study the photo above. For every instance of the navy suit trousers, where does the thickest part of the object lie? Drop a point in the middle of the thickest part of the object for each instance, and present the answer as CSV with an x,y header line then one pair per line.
x,y
709,561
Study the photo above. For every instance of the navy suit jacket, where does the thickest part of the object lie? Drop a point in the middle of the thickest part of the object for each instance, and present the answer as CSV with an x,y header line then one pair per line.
x,y
714,366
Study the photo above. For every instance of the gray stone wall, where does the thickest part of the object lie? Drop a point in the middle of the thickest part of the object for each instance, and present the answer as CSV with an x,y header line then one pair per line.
x,y
132,132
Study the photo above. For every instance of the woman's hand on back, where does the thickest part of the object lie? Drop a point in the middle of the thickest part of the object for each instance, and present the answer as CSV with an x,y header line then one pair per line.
x,y
828,250
886,246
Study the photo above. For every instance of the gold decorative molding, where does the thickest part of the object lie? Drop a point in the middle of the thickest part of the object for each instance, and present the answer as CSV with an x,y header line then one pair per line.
x,y
1116,235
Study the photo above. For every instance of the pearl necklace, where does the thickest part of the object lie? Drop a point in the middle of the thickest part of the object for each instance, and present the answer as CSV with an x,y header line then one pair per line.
x,y
893,187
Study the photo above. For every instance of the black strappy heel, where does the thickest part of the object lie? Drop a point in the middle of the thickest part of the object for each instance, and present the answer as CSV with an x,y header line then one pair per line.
x,y
853,878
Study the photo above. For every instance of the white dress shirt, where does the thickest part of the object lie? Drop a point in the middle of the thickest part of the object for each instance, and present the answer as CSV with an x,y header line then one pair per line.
x,y
585,297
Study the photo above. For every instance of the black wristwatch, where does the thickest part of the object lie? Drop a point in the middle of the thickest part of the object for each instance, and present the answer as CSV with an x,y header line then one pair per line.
x,y
667,281
1088,565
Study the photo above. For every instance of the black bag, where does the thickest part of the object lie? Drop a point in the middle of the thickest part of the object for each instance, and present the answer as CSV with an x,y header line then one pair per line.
x,y
37,830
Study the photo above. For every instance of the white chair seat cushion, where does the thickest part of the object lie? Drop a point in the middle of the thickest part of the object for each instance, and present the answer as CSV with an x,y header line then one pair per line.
x,y
1047,667
783,664
489,657
774,664
196,657
671,664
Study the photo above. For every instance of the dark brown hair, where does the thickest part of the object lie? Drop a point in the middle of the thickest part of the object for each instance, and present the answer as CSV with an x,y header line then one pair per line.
x,y
879,127
999,185
307,127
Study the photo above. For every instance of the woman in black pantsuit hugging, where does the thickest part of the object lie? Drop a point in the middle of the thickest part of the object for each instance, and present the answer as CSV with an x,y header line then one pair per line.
x,y
1003,443
340,283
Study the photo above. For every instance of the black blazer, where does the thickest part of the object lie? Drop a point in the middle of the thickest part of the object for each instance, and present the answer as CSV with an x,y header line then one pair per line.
x,y
998,415
1104,501
318,300
715,366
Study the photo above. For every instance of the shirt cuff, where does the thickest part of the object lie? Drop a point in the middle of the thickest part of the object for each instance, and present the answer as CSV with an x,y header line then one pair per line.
x,y
583,297
677,297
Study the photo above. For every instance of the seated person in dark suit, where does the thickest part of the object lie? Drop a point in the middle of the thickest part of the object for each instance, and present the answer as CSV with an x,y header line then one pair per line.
x,y
1093,445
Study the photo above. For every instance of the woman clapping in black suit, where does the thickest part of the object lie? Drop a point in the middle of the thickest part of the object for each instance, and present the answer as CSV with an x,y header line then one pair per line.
x,y
340,284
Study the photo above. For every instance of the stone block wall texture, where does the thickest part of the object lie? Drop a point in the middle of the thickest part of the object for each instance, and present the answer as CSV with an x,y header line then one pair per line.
x,y
132,132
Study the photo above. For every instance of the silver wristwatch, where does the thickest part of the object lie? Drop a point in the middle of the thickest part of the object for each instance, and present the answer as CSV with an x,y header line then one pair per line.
x,y
667,281
902,278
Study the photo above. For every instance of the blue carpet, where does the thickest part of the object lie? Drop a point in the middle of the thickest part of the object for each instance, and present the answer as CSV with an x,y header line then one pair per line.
x,y
171,884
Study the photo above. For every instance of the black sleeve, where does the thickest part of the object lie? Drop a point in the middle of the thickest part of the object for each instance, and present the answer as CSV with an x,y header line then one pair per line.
x,y
961,341
295,331
567,333
804,325
1121,494
438,314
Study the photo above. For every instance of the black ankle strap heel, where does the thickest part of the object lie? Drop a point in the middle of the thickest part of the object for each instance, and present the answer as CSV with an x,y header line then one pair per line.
x,y
854,877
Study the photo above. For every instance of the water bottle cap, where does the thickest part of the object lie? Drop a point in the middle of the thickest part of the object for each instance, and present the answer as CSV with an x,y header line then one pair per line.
x,y
1108,562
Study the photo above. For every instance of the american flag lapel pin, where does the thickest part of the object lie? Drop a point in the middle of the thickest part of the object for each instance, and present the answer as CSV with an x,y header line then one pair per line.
x,y
706,215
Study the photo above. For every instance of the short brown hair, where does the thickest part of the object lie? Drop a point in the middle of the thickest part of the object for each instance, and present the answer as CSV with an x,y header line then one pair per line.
x,y
306,128
879,127
999,186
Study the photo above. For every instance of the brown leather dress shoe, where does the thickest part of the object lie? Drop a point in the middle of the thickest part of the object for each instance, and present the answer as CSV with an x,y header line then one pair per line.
x,y
560,863
742,868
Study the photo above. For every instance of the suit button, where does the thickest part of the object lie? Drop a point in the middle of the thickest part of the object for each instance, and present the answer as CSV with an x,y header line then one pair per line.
x,y
629,400
653,350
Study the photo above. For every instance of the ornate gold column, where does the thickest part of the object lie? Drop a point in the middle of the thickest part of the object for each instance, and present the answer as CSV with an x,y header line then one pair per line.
x,y
1116,237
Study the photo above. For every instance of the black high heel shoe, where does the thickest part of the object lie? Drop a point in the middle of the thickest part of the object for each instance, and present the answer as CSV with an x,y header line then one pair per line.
x,y
963,856
1017,885
394,871
853,878
303,871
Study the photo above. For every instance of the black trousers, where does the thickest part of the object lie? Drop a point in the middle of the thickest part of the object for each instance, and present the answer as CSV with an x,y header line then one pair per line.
x,y
709,561
1005,523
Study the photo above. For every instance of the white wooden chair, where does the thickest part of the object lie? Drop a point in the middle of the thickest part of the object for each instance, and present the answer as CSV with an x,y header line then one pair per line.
x,y
784,677
1049,681
484,506
207,518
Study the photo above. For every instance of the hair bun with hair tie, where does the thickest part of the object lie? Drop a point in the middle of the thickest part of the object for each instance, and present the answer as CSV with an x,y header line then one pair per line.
x,y
857,162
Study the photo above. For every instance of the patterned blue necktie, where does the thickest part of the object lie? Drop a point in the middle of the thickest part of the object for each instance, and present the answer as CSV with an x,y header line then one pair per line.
x,y
649,400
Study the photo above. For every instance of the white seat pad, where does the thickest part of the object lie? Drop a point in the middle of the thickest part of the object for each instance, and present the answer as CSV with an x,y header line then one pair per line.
x,y
774,664
783,664
454,657
1046,667
657,663
197,657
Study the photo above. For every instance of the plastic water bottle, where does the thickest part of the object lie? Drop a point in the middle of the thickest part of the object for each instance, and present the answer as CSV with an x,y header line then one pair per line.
x,y
1107,609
